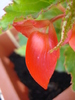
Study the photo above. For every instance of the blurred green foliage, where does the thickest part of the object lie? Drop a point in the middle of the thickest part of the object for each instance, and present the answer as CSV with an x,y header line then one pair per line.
x,y
22,39
70,63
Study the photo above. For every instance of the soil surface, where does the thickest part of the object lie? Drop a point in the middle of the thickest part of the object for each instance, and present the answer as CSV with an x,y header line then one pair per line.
x,y
58,83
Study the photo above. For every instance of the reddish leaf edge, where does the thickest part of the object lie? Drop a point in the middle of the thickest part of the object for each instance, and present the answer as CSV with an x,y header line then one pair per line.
x,y
26,27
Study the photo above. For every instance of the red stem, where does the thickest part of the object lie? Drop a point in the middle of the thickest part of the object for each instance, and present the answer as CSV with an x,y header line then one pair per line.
x,y
57,17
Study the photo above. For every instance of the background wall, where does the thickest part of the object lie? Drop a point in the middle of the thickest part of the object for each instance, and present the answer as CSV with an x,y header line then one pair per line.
x,y
3,3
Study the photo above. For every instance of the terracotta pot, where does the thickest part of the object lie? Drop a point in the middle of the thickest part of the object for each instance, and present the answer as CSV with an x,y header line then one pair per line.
x,y
68,94
6,42
10,85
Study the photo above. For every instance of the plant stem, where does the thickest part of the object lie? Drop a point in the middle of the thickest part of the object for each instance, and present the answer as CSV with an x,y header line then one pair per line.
x,y
57,17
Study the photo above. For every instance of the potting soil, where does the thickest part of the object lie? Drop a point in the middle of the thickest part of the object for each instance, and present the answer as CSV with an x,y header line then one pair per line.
x,y
58,83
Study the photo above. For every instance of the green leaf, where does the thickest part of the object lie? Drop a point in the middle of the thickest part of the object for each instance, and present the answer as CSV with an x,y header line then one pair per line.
x,y
0,31
51,13
60,64
21,51
70,64
68,22
24,8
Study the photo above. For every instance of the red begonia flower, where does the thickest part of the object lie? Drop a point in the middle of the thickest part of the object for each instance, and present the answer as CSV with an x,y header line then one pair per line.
x,y
40,62
71,38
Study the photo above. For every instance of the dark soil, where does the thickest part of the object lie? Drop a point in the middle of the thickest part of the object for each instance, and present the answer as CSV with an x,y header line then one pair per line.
x,y
58,83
